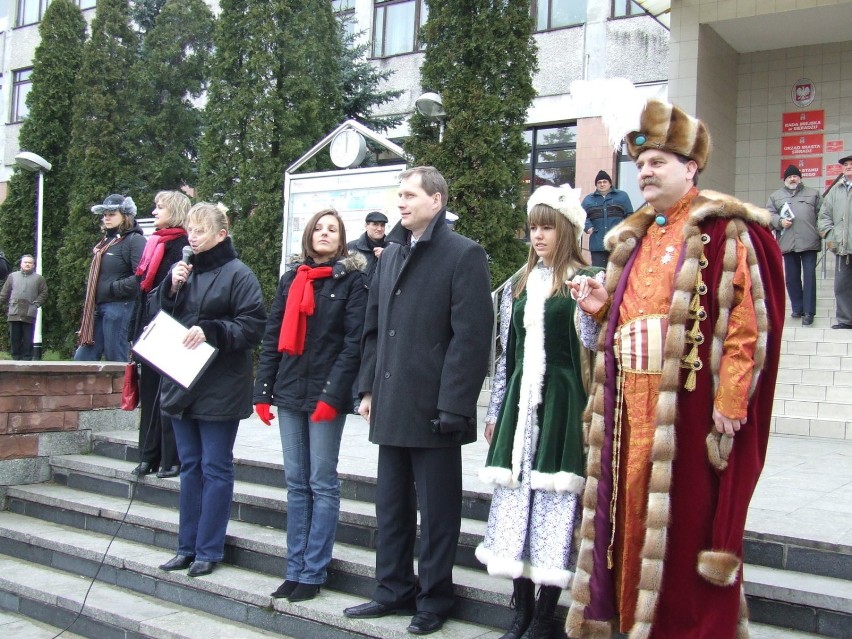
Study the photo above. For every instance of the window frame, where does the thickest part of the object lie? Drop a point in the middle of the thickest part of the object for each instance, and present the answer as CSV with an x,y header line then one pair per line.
x,y
20,13
421,12
19,102
632,9
550,27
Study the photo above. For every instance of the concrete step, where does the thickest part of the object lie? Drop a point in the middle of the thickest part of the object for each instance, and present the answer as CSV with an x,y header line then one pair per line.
x,y
235,593
113,611
19,626
250,546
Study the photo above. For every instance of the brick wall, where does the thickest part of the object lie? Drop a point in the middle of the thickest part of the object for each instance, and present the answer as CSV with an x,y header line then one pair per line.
x,y
51,408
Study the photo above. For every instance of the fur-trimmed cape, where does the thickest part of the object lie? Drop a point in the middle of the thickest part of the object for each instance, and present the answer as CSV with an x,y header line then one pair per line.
x,y
700,485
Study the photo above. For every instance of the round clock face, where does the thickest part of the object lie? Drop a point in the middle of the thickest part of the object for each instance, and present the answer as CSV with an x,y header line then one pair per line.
x,y
348,149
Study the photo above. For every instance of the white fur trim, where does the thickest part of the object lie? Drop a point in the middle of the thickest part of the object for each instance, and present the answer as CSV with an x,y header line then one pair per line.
x,y
500,566
497,476
532,378
560,482
551,577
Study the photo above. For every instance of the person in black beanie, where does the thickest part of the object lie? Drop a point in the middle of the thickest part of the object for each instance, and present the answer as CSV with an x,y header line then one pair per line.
x,y
794,217
604,208
372,242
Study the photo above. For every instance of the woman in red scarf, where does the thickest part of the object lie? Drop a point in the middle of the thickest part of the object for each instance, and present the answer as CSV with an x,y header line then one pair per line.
x,y
308,362
156,438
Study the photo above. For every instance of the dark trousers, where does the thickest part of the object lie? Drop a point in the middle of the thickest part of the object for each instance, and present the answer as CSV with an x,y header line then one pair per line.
x,y
156,435
599,258
21,340
843,289
800,274
430,477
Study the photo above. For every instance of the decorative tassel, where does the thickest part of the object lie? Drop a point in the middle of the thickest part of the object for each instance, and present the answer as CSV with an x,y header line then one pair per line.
x,y
690,381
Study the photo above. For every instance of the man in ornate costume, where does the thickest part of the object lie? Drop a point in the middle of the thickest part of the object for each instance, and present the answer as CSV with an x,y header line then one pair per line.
x,y
679,420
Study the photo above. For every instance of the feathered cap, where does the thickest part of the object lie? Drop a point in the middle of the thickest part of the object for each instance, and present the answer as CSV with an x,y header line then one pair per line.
x,y
667,127
562,198
116,202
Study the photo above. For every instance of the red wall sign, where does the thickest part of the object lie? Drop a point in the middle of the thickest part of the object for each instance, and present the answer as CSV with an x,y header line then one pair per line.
x,y
801,144
810,167
833,170
834,146
801,121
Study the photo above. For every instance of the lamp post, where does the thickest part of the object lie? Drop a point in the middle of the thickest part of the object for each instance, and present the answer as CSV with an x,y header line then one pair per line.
x,y
36,164
431,107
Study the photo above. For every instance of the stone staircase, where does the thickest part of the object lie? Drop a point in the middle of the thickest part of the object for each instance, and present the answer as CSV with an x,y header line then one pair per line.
x,y
813,396
53,537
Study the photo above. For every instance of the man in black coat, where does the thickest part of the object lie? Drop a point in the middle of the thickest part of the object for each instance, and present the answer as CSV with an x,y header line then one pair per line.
x,y
425,352
372,242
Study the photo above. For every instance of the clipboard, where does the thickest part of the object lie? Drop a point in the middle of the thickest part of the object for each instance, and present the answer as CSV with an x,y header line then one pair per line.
x,y
161,347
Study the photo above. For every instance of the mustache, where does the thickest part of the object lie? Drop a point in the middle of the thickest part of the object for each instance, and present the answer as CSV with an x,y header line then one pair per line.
x,y
649,181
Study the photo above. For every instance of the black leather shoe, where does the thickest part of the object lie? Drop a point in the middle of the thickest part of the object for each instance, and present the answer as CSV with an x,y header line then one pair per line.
x,y
178,562
374,610
795,315
285,589
425,623
144,468
842,325
172,471
304,592
807,320
201,568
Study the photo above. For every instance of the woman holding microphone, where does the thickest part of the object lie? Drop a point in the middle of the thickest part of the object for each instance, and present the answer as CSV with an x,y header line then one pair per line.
x,y
219,298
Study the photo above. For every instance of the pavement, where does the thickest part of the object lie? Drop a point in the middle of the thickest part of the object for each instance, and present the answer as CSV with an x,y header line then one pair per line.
x,y
805,490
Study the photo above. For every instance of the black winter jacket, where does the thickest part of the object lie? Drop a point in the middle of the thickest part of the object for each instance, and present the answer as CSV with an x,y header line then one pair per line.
x,y
223,297
117,279
328,367
427,336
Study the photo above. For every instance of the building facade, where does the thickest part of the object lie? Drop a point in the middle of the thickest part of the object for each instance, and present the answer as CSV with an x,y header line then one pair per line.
x,y
578,40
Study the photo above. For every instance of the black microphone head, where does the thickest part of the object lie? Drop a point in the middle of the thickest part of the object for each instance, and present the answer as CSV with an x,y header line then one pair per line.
x,y
187,253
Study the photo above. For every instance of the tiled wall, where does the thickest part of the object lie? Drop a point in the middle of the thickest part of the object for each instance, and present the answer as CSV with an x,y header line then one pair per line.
x,y
765,81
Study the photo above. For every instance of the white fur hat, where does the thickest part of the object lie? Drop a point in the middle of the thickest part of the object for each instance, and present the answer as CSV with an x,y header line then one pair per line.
x,y
562,198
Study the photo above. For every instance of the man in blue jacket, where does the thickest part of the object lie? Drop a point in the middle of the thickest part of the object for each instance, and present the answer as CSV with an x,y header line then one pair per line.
x,y
604,208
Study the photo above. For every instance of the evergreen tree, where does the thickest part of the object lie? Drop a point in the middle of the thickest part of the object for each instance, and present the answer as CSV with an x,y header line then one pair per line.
x,y
46,132
103,153
362,81
480,57
171,73
144,13
274,93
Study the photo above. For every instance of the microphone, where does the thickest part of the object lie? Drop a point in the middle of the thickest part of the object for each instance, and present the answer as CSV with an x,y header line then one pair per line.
x,y
186,255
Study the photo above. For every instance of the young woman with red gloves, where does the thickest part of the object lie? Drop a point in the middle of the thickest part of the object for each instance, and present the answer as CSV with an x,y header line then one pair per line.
x,y
308,362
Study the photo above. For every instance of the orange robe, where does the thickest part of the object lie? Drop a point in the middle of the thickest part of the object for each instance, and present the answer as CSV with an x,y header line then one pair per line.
x,y
649,289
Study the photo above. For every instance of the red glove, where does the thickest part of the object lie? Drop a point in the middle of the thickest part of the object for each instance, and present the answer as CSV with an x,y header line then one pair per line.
x,y
263,412
323,412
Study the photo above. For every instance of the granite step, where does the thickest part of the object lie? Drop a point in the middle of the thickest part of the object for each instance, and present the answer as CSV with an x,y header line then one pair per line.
x,y
19,626
53,596
231,592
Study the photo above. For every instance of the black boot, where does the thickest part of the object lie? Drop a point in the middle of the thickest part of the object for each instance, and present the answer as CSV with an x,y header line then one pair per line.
x,y
543,623
523,601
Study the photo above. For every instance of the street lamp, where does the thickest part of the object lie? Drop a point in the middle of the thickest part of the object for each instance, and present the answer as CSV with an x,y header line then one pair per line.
x,y
431,107
36,164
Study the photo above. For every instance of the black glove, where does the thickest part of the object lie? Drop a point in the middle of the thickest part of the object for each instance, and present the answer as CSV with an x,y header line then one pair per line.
x,y
450,423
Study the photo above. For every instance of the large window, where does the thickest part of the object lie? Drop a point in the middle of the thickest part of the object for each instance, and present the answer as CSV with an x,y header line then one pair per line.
x,y
553,156
4,14
30,11
555,14
345,12
87,4
21,85
395,26
624,8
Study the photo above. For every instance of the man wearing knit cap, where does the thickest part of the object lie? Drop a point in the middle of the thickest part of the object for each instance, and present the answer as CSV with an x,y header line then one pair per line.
x,y
605,208
794,208
835,226
684,381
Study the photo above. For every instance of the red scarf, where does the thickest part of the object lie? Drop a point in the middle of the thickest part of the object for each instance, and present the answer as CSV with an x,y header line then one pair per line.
x,y
300,306
152,256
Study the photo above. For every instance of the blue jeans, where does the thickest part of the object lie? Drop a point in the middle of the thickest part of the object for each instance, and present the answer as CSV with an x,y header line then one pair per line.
x,y
206,451
112,321
313,492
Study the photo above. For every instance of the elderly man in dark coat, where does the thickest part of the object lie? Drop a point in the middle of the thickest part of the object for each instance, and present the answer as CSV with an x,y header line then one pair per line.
x,y
425,352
